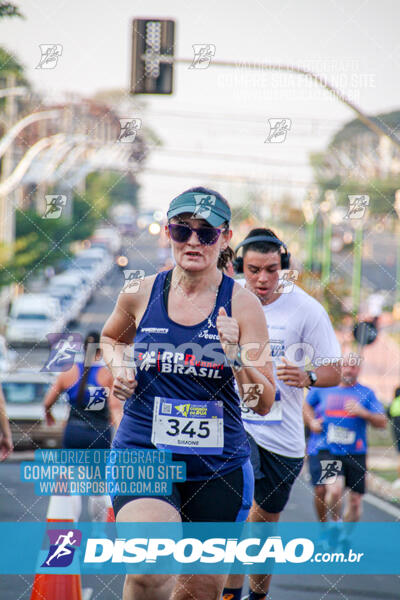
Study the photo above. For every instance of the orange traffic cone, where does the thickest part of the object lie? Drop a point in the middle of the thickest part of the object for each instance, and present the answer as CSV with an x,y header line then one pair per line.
x,y
110,511
56,586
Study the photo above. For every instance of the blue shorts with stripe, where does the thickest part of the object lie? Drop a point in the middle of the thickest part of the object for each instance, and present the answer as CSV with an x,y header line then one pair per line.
x,y
226,498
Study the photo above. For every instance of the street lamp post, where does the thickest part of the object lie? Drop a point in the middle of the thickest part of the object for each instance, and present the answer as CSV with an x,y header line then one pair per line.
x,y
397,209
309,210
357,265
326,209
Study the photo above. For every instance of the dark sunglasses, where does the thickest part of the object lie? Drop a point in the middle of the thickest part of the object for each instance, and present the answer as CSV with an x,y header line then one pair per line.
x,y
206,235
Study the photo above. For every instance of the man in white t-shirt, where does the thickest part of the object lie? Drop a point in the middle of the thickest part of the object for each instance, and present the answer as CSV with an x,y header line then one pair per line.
x,y
300,333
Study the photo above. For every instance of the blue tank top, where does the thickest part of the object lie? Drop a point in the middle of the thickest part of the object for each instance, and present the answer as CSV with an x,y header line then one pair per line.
x,y
183,376
94,405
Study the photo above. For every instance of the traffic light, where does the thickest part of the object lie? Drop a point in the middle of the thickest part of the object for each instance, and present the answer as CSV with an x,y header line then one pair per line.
x,y
152,40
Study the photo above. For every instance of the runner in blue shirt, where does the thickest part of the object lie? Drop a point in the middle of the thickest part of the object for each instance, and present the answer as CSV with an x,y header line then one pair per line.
x,y
338,419
189,327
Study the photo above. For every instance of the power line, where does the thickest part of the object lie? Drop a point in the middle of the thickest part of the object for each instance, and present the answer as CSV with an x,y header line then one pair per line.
x,y
227,178
225,156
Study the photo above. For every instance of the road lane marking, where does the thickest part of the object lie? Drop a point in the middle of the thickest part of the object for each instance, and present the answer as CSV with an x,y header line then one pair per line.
x,y
383,505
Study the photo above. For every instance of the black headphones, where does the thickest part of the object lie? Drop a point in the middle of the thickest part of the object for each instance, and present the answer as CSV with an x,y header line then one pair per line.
x,y
285,255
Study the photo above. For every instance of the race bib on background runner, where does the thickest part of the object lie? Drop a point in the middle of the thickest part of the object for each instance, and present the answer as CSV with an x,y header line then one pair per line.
x,y
340,435
183,425
274,416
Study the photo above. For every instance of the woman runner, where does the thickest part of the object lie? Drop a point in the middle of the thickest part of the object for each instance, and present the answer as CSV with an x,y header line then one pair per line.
x,y
182,322
93,411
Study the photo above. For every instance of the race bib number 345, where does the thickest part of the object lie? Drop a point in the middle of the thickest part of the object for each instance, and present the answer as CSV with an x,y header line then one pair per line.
x,y
185,426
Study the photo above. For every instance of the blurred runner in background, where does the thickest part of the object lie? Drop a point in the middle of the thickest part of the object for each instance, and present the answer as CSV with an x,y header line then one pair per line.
x,y
93,409
394,416
343,413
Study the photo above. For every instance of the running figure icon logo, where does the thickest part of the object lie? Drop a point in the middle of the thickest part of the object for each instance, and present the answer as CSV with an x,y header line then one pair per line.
x,y
50,53
252,393
98,397
63,543
129,129
204,202
203,53
330,469
287,277
63,348
54,206
357,206
133,279
278,129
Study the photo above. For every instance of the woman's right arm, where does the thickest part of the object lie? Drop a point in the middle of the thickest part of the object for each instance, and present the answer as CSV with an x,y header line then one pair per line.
x,y
118,333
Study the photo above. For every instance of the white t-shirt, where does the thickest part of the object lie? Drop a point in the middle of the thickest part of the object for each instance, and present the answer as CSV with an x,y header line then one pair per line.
x,y
299,329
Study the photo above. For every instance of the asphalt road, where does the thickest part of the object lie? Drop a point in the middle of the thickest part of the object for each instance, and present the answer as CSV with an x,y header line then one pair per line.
x,y
19,503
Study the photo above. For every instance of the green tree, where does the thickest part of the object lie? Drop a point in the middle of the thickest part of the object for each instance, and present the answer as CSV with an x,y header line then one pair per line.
x,y
7,9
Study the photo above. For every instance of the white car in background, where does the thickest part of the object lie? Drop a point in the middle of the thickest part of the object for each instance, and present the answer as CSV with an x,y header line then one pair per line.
x,y
97,259
32,317
24,391
85,278
8,358
71,293
108,237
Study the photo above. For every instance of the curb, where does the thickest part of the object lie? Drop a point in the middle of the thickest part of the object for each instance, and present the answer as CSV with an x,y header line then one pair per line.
x,y
382,488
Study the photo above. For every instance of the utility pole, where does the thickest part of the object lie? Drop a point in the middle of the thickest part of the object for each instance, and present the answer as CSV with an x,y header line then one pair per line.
x,y
7,212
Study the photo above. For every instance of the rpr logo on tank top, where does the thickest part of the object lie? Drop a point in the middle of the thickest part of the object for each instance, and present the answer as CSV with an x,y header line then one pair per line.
x,y
177,362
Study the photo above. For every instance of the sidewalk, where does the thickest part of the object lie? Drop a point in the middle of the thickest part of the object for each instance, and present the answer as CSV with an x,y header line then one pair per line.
x,y
385,459
381,364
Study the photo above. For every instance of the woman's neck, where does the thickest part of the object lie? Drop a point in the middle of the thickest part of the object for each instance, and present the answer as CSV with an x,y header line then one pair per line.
x,y
194,282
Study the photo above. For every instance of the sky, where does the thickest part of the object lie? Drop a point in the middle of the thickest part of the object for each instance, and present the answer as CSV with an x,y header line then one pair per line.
x,y
215,126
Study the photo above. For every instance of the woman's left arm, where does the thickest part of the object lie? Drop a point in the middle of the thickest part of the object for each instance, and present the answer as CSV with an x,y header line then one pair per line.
x,y
245,341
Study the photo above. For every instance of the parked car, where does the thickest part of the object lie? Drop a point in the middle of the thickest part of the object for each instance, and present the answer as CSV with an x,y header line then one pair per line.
x,y
97,259
24,391
86,279
32,317
72,294
106,237
8,358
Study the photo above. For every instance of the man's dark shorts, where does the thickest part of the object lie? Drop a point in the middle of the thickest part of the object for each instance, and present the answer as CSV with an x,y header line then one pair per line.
x,y
274,476
353,467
